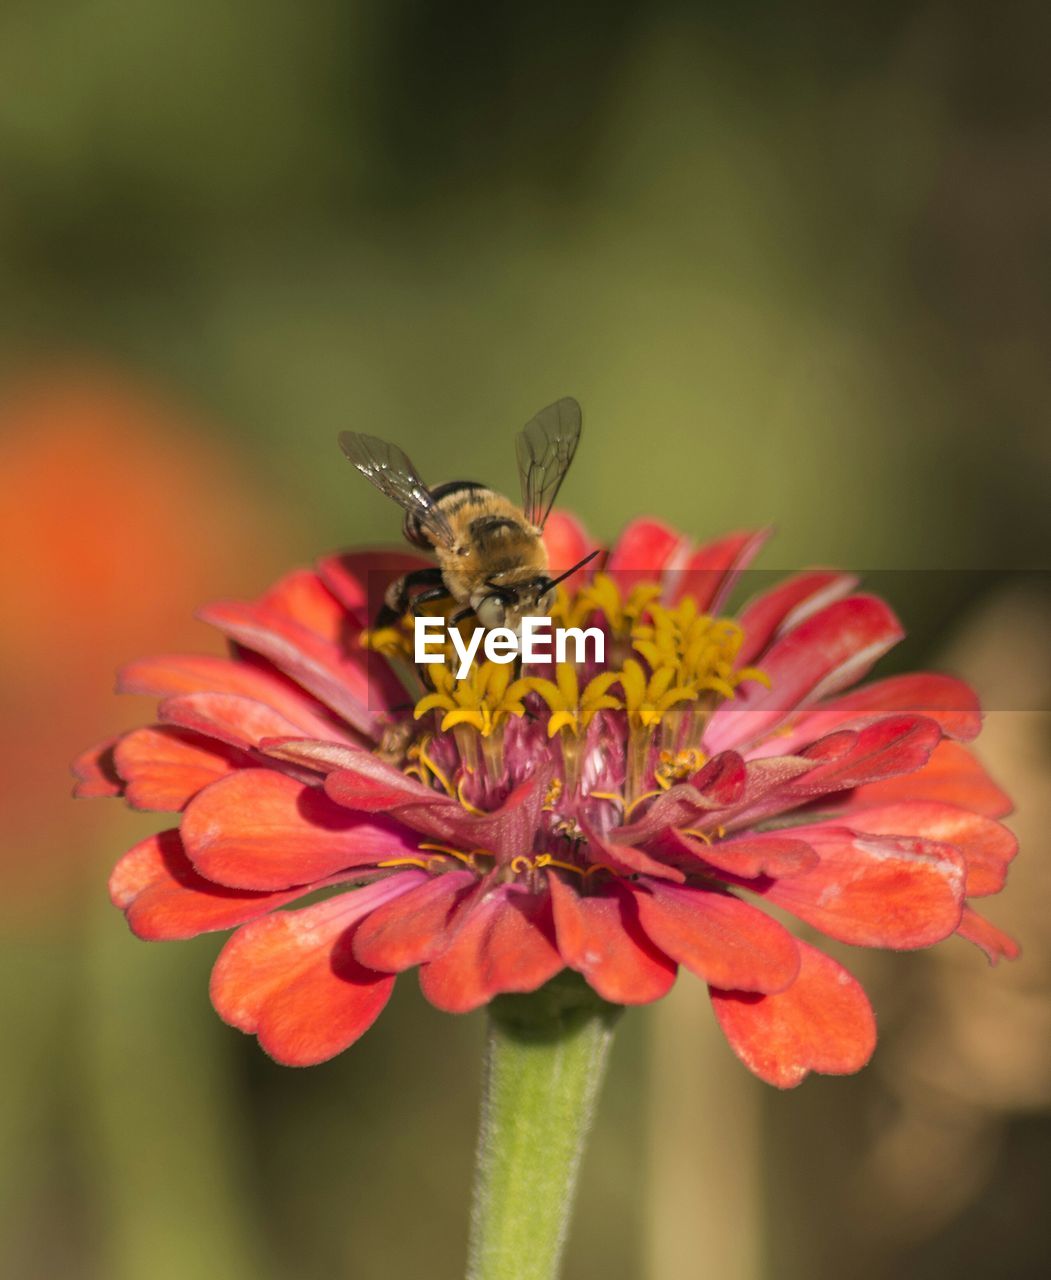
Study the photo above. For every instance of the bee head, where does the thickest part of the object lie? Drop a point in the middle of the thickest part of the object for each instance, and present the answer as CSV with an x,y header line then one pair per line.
x,y
506,604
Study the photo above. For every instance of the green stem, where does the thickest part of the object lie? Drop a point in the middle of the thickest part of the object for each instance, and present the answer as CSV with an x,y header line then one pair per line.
x,y
545,1060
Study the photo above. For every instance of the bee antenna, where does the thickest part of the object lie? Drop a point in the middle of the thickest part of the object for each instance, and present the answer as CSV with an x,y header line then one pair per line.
x,y
569,572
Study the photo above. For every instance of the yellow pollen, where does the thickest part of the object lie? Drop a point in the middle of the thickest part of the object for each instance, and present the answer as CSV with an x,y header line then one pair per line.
x,y
467,858
392,642
418,751
646,795
673,766
471,808
700,650
483,699
569,708
603,596
523,862
707,837
648,698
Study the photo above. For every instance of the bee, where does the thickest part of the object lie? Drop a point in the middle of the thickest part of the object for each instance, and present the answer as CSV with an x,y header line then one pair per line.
x,y
490,552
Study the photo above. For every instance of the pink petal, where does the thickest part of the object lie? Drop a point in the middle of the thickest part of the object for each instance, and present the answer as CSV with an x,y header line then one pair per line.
x,y
718,937
164,897
826,652
711,571
765,617
952,775
822,1022
874,891
258,829
987,846
996,944
96,773
292,980
412,928
503,941
164,768
599,935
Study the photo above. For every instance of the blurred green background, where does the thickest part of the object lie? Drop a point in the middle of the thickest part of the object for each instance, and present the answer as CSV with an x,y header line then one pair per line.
x,y
793,261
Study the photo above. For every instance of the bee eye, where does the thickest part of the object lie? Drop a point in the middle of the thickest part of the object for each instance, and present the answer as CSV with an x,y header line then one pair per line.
x,y
491,611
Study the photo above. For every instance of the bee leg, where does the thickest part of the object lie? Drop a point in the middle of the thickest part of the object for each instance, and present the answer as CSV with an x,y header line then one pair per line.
x,y
427,597
396,599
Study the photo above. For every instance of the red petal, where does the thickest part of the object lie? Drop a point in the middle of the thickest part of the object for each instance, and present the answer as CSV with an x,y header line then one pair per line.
x,y
258,829
156,885
951,775
718,937
371,785
987,846
165,768
291,977
412,928
996,944
96,773
359,579
299,627
896,745
712,570
500,942
822,1022
875,891
684,806
600,936
231,718
322,757
173,674
827,651
643,551
787,604
364,781
722,780
950,703
567,543
748,856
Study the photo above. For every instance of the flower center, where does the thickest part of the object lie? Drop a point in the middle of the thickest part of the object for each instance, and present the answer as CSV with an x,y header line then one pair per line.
x,y
610,736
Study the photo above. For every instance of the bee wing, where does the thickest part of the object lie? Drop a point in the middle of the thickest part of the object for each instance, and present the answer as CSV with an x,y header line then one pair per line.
x,y
545,448
390,470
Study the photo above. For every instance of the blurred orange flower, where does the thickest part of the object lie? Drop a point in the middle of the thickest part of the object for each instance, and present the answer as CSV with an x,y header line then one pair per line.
x,y
119,510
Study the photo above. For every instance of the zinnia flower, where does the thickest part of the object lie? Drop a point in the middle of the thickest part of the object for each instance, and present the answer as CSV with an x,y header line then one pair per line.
x,y
619,821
